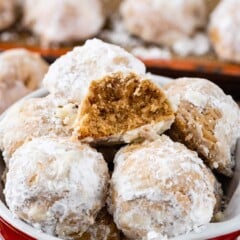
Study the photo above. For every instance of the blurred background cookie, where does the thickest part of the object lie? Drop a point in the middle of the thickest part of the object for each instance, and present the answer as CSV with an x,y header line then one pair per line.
x,y
21,72
63,21
8,13
224,30
163,22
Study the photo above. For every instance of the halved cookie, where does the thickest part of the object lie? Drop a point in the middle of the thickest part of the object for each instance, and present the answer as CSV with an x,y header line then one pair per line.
x,y
123,107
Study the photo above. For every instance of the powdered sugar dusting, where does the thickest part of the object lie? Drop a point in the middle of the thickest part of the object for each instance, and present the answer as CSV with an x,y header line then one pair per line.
x,y
52,181
149,131
33,118
70,76
165,173
202,93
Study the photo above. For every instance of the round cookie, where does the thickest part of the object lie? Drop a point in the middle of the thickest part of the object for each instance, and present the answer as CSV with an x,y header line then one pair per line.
x,y
56,185
172,20
207,120
8,13
21,72
224,30
117,102
71,75
123,108
160,189
63,21
33,118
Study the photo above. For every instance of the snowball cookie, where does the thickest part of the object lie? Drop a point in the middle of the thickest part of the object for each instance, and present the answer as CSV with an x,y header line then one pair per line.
x,y
224,30
161,21
7,13
34,118
160,188
207,121
56,185
71,75
21,72
63,21
104,228
123,108
114,95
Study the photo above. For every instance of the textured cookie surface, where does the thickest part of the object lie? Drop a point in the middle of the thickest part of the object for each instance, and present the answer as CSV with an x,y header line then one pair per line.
x,y
56,185
71,75
125,107
63,21
160,188
207,121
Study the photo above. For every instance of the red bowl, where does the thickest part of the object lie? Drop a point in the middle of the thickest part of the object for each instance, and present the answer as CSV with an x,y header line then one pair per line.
x,y
8,232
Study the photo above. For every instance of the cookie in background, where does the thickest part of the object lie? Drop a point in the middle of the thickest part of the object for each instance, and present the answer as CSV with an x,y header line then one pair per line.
x,y
8,13
21,72
224,30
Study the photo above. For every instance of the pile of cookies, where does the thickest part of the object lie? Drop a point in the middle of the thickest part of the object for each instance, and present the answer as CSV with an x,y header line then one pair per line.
x,y
184,27
56,22
162,185
180,24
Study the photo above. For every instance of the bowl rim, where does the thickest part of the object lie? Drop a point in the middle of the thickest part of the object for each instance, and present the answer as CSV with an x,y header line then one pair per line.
x,y
211,230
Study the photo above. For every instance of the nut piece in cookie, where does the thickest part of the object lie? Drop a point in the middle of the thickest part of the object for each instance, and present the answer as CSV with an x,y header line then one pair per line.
x,y
63,21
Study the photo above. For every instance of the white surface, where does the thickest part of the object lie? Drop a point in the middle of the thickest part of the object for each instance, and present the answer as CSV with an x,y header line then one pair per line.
x,y
231,224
